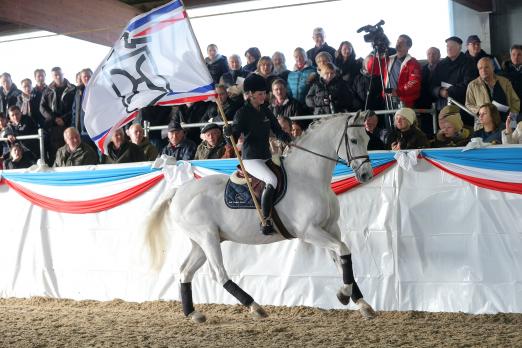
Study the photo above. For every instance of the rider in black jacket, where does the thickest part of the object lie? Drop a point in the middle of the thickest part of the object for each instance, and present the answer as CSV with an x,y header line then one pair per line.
x,y
255,121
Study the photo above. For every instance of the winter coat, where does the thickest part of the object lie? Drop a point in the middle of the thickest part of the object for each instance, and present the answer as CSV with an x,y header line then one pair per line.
x,y
290,107
250,68
185,150
8,99
413,138
514,74
331,97
425,98
298,83
78,114
460,139
26,161
410,79
375,143
478,94
229,78
478,57
217,67
361,85
313,52
81,156
458,73
51,107
150,152
255,125
33,108
127,153
205,152
26,126
348,69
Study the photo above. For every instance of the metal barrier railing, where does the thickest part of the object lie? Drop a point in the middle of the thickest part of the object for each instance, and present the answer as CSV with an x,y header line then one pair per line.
x,y
433,111
39,136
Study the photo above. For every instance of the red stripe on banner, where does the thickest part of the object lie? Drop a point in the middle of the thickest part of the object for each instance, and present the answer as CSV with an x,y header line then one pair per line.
x,y
83,207
342,186
484,183
161,25
187,99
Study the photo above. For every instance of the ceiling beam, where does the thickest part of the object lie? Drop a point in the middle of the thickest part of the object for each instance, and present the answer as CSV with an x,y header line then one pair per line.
x,y
98,21
477,5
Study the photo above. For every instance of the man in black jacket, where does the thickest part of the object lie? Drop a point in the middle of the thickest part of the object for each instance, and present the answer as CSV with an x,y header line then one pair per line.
x,y
452,76
56,107
513,69
320,46
8,93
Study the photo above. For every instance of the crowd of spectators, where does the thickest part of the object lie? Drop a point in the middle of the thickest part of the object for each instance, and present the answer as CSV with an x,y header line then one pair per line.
x,y
320,80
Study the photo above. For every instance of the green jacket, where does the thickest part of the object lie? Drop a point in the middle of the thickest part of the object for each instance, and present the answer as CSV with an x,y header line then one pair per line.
x,y
83,155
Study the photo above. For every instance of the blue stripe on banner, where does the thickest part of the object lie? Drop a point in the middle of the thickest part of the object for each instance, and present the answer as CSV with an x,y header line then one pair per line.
x,y
228,166
508,158
82,177
202,89
160,11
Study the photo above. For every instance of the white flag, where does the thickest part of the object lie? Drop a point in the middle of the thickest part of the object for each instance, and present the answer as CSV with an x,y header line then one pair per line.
x,y
156,61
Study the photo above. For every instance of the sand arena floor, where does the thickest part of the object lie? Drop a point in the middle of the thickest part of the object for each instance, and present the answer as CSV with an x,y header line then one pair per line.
x,y
43,322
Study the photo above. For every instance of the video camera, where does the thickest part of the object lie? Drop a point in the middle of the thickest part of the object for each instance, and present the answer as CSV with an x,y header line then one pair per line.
x,y
375,35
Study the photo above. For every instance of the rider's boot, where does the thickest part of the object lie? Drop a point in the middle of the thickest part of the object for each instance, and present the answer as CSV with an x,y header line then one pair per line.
x,y
267,199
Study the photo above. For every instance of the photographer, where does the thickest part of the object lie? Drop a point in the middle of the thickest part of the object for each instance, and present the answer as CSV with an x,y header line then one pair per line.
x,y
402,74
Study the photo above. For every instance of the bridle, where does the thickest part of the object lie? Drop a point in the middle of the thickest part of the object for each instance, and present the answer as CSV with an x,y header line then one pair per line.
x,y
346,138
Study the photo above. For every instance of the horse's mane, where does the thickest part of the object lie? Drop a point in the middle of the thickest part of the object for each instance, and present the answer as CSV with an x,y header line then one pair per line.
x,y
315,124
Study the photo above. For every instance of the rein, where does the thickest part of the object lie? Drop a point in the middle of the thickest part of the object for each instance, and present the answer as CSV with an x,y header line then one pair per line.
x,y
348,152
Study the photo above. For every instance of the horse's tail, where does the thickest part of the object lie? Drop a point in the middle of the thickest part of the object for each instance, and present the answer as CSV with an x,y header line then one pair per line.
x,y
155,231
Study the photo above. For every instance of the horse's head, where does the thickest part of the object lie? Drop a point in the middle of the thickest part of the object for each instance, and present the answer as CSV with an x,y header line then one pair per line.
x,y
355,152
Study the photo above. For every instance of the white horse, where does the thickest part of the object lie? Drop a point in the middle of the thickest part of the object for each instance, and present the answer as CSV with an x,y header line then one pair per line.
x,y
309,211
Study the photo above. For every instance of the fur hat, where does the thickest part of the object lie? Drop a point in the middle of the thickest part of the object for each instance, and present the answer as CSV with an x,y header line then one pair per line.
x,y
408,114
451,114
254,83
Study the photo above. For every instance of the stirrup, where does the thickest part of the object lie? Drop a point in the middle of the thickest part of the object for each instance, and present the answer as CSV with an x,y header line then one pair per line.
x,y
268,229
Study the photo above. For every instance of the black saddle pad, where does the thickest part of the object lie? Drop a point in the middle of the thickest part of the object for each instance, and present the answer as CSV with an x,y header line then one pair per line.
x,y
238,197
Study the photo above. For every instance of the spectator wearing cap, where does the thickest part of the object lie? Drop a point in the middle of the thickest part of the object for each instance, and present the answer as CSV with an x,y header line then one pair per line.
x,y
491,88
216,63
19,158
475,53
512,69
179,146
120,150
320,45
213,144
137,137
252,56
452,132
255,121
298,79
452,76
74,152
282,104
406,135
371,122
489,117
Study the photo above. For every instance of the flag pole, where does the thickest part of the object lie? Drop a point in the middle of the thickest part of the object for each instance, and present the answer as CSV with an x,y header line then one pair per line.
x,y
232,141
245,173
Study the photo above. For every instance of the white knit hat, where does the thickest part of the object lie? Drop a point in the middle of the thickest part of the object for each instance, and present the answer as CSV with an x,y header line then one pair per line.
x,y
408,114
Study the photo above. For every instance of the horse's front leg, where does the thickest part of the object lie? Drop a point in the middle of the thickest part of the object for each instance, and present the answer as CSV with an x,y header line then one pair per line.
x,y
341,254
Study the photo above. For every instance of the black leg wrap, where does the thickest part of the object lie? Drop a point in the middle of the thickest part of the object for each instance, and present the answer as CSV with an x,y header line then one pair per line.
x,y
244,298
356,292
186,298
346,265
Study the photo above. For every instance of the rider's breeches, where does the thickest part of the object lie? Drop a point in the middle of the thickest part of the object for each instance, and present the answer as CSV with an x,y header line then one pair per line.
x,y
259,169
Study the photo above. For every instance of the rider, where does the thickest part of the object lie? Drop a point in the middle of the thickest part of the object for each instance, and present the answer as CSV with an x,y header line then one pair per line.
x,y
254,120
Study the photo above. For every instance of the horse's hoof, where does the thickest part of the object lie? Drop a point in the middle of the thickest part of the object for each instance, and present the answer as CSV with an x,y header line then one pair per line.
x,y
343,298
257,311
197,317
344,293
366,310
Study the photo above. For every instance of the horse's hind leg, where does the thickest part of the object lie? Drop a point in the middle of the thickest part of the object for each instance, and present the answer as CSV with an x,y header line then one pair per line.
x,y
212,248
195,259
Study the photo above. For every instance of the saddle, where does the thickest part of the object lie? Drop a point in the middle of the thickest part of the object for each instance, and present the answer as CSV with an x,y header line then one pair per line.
x,y
237,195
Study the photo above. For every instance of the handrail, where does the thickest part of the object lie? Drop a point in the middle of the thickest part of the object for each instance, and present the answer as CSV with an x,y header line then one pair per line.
x,y
39,136
433,111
